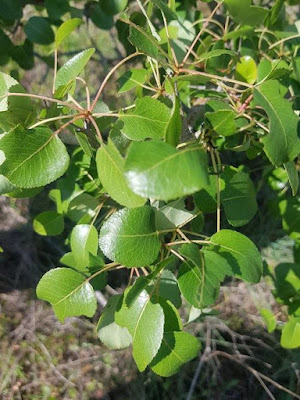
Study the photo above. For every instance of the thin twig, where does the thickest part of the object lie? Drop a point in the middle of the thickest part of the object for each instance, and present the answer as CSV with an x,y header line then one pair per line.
x,y
200,33
45,98
111,72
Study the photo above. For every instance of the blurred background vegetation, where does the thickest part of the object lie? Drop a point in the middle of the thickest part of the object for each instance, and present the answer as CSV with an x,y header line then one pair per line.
x,y
43,359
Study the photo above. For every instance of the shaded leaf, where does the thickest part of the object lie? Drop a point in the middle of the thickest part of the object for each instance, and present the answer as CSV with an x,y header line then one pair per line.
x,y
177,349
49,223
109,332
239,253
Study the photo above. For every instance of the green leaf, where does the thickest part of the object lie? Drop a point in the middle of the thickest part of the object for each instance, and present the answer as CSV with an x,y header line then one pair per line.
x,y
97,15
274,13
269,319
49,223
150,166
68,292
290,338
145,42
57,8
84,240
172,317
293,176
144,320
237,193
82,208
132,79
109,332
245,14
216,53
73,68
238,197
5,185
110,167
222,122
14,110
169,14
166,286
112,7
290,212
66,29
38,30
246,70
174,128
173,215
33,158
239,253
177,349
129,237
149,119
200,276
11,10
281,144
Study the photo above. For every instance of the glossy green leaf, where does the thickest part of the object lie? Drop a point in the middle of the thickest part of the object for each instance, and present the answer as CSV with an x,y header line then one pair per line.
x,y
149,119
177,349
68,292
33,158
144,320
293,176
239,253
246,70
110,167
66,29
150,166
109,332
73,68
84,240
200,276
129,237
49,223
38,30
281,144
173,215
290,337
